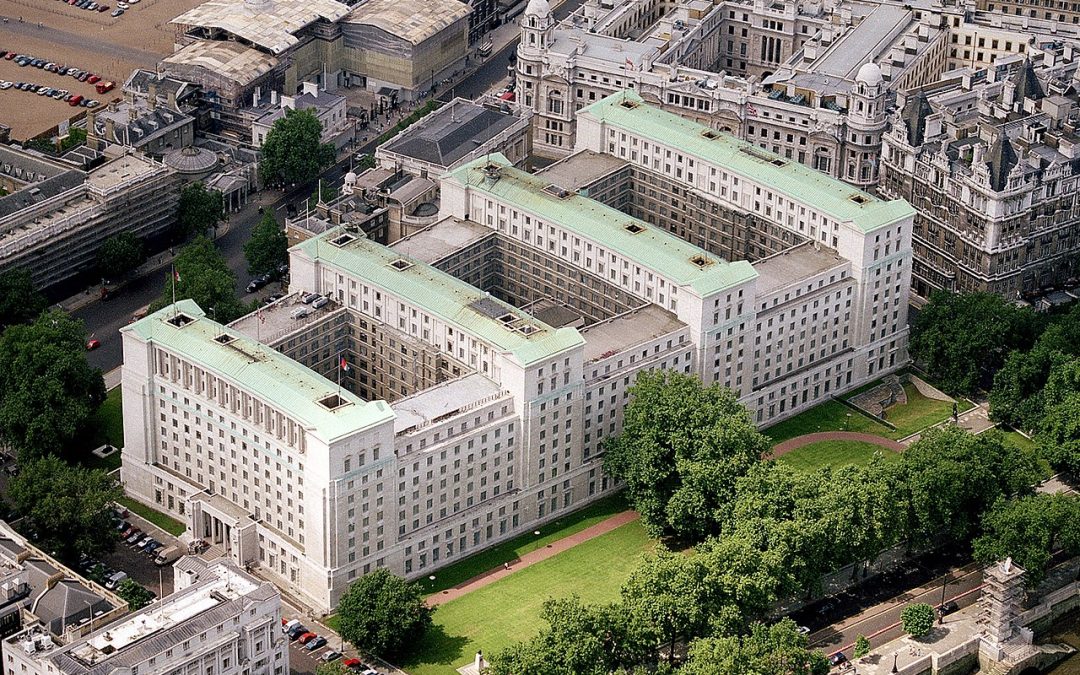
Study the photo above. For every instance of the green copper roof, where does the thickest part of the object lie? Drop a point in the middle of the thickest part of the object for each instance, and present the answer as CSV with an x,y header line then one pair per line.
x,y
261,370
799,182
455,302
650,246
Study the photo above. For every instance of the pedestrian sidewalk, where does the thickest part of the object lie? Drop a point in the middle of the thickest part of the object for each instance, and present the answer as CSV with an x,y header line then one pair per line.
x,y
533,557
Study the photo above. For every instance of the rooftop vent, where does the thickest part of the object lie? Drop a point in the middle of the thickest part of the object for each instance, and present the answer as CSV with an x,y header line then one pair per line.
x,y
859,199
343,240
401,264
180,320
634,228
332,402
508,318
527,329
556,191
224,339
629,105
700,261
710,134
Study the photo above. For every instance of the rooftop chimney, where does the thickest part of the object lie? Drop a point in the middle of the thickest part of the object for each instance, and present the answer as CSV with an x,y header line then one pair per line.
x,y
151,94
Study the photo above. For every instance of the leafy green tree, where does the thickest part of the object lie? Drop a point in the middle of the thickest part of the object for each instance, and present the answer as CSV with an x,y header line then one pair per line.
x,y
579,638
293,151
69,506
964,339
120,253
334,668
681,450
136,595
20,302
97,574
198,210
383,614
268,247
862,646
1029,530
205,277
766,650
48,392
917,619
1059,435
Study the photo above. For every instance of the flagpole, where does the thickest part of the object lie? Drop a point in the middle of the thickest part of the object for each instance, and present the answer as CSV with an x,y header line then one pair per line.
x,y
174,290
340,359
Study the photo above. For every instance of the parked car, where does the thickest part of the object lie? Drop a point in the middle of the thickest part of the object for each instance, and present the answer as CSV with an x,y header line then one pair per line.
x,y
296,631
948,608
315,642
113,581
75,100
152,548
166,555
5,85
145,542
116,12
92,344
104,86
287,626
837,659
82,75
134,536
802,630
93,79
257,283
306,638
330,656
273,297
122,525
90,104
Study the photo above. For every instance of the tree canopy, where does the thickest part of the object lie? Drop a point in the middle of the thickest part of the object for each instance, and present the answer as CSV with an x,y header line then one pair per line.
x,y
765,650
917,619
383,614
205,278
20,302
120,253
48,392
69,506
1029,530
681,450
136,595
198,210
293,151
965,338
268,246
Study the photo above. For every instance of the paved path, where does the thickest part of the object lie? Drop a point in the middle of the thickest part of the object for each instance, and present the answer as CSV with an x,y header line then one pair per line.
x,y
806,439
533,557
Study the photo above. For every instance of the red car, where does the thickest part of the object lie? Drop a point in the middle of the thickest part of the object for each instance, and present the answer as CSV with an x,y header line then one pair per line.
x,y
353,664
303,639
93,344
76,100
93,79
104,86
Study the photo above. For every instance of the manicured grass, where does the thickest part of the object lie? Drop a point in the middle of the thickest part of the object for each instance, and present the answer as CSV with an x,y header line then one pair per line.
x,y
918,413
108,429
1019,440
835,454
572,523
829,416
173,527
493,617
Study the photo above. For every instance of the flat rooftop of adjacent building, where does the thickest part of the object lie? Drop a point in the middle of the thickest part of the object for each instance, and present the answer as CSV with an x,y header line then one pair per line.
x,y
443,296
270,24
282,382
865,42
271,322
446,237
231,60
628,330
794,265
411,20
784,177
581,168
121,171
604,48
451,132
610,229
442,400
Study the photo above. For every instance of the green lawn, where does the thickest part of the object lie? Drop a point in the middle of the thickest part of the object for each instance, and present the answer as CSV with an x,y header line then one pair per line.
x,y
173,527
495,616
569,524
1019,440
834,453
918,413
829,416
108,429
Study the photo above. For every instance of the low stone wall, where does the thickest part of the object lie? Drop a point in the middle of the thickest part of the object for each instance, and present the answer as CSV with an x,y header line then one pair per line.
x,y
927,390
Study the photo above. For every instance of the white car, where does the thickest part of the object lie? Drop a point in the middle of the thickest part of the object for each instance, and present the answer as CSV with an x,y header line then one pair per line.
x,y
5,85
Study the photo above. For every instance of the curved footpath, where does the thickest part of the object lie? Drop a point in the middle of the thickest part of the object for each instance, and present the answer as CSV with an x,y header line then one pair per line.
x,y
808,439
533,557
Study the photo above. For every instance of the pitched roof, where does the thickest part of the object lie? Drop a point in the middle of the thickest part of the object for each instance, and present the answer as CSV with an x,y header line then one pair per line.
x,y
270,24
914,115
1028,85
1001,160
451,133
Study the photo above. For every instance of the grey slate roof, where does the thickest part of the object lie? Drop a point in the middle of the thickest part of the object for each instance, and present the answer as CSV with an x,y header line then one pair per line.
x,y
1002,158
451,133
39,192
1028,85
67,603
914,115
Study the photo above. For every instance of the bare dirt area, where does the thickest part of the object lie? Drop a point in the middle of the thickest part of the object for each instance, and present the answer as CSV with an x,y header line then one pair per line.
x,y
109,46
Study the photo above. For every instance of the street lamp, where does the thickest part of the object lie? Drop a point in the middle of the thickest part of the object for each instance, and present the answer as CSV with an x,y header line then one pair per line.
x,y
895,654
941,606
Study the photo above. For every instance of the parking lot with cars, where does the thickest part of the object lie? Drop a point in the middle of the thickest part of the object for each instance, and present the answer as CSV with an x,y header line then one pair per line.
x,y
308,649
143,552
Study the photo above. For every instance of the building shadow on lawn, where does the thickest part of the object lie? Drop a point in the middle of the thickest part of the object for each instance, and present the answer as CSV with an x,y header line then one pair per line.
x,y
439,648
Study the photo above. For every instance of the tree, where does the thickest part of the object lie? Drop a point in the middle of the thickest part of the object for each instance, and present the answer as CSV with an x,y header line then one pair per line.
x,y
681,450
334,668
205,278
382,614
293,151
862,646
20,302
1029,530
198,210
1058,432
268,247
69,506
136,595
120,253
917,619
964,339
48,392
766,650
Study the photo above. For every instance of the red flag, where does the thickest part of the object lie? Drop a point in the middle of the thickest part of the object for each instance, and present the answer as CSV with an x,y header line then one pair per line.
x,y
176,275
344,365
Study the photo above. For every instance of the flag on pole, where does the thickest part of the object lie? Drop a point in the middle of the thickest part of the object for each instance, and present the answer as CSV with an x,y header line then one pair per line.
x,y
344,365
629,64
176,275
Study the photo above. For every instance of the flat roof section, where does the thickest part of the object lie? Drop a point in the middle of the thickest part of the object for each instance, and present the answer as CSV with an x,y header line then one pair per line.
x,y
662,252
451,132
446,237
270,24
786,177
411,20
121,171
864,43
794,265
628,330
453,301
442,400
581,169
260,370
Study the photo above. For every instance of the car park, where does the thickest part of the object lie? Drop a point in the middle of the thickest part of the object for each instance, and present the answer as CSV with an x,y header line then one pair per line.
x,y
296,631
307,637
135,536
314,643
329,656
287,626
